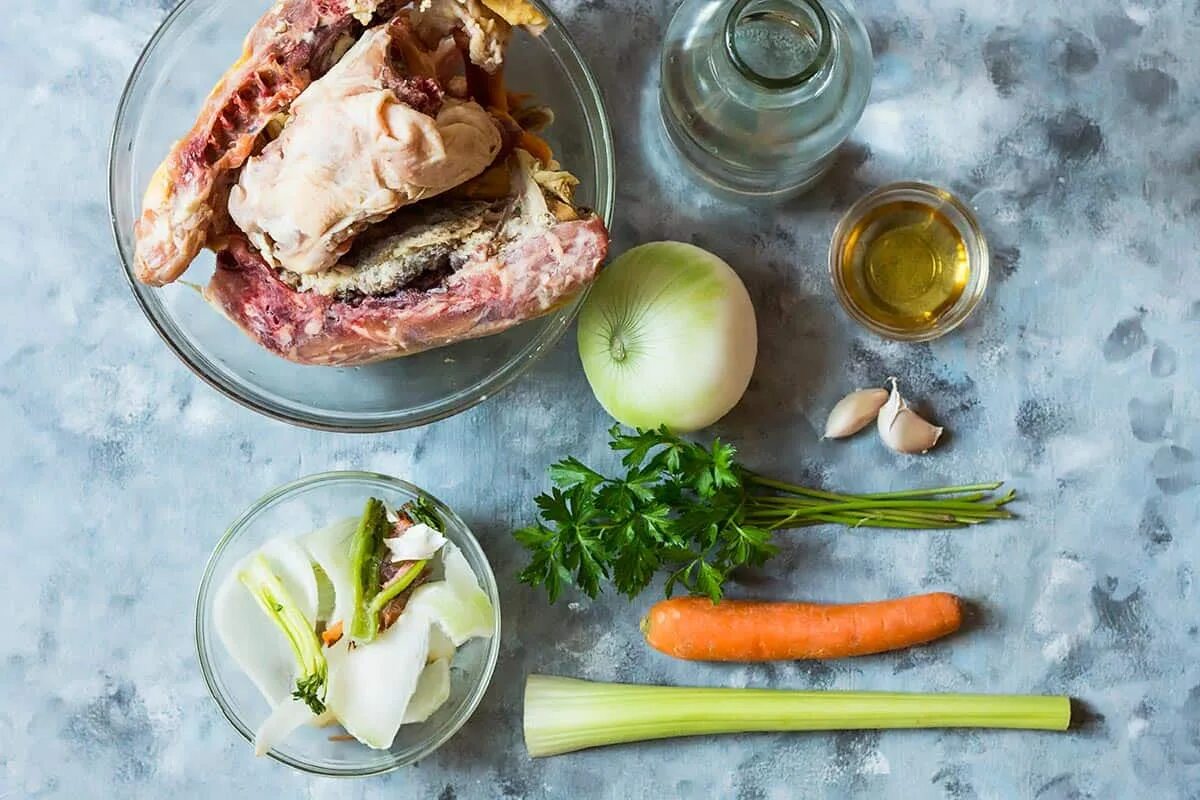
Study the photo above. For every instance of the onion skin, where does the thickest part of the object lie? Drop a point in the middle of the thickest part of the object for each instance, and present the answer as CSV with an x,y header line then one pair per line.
x,y
668,336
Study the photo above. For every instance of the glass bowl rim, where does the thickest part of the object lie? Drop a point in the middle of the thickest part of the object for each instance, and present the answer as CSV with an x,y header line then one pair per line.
x,y
284,492
553,329
968,227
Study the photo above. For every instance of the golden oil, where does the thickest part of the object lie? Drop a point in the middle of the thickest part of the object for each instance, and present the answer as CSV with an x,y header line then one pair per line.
x,y
904,264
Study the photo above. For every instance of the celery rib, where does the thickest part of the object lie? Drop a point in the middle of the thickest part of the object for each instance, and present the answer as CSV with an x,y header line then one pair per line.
x,y
566,714
273,598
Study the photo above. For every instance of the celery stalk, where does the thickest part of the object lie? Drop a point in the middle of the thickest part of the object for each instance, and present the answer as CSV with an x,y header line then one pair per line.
x,y
366,551
565,714
386,595
273,598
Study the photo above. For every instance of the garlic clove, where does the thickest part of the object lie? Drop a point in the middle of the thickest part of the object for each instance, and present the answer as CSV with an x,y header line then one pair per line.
x,y
903,429
890,409
854,412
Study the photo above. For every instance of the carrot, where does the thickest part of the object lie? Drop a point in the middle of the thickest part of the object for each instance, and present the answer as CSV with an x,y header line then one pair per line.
x,y
517,100
333,634
744,630
536,146
497,95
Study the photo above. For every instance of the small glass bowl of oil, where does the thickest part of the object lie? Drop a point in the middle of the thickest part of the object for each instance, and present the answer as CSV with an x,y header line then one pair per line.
x,y
909,261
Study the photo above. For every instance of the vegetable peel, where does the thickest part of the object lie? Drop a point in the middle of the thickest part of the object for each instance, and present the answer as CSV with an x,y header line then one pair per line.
x,y
283,632
455,604
431,693
419,543
370,686
252,639
284,718
329,549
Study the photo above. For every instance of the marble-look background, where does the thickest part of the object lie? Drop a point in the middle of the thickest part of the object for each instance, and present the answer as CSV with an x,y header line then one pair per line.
x,y
1068,125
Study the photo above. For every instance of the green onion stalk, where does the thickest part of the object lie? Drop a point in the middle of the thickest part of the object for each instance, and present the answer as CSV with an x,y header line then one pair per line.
x,y
366,555
564,714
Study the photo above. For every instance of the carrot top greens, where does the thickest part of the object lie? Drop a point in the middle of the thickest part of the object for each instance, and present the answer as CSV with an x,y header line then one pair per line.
x,y
695,514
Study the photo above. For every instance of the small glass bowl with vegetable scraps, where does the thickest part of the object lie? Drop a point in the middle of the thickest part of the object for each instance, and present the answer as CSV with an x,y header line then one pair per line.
x,y
347,624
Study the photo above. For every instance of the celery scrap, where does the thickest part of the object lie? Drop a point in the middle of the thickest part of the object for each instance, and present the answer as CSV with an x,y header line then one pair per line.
x,y
366,552
300,632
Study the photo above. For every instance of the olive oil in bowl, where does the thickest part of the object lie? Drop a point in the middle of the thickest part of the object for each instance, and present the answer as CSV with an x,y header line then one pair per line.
x,y
908,261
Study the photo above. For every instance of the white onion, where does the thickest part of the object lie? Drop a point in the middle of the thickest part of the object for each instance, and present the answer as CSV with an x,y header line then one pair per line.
x,y
668,337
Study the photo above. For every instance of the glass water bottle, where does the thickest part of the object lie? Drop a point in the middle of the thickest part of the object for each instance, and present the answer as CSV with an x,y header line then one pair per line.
x,y
758,94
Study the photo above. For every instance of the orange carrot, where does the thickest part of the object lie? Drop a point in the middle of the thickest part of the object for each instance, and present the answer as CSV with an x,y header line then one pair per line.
x,y
497,95
745,630
517,100
333,634
536,146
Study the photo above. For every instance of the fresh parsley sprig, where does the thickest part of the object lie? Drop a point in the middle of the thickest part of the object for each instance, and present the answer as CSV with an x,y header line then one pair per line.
x,y
695,514
678,508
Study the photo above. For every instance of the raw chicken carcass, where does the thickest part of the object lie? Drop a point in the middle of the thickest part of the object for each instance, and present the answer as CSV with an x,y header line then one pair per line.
x,y
494,266
282,55
489,293
385,211
486,33
291,46
371,136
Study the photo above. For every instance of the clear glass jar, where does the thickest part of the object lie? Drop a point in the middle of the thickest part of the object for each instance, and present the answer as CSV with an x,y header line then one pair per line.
x,y
757,95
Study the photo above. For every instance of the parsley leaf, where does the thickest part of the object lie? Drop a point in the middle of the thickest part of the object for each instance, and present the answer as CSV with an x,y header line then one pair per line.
x,y
676,509
572,472
695,515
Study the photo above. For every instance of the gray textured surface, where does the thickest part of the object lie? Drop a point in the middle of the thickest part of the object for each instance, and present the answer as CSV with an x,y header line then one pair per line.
x,y
1068,125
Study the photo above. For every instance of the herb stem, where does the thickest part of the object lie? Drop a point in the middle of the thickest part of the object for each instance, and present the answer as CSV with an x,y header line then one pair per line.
x,y
917,505
787,521
791,488
695,513
914,510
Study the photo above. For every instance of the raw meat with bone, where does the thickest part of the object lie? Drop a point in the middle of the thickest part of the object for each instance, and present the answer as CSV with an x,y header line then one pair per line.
x,y
282,55
371,136
474,265
288,48
491,292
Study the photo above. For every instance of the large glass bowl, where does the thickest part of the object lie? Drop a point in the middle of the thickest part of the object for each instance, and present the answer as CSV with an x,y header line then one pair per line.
x,y
292,510
198,41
